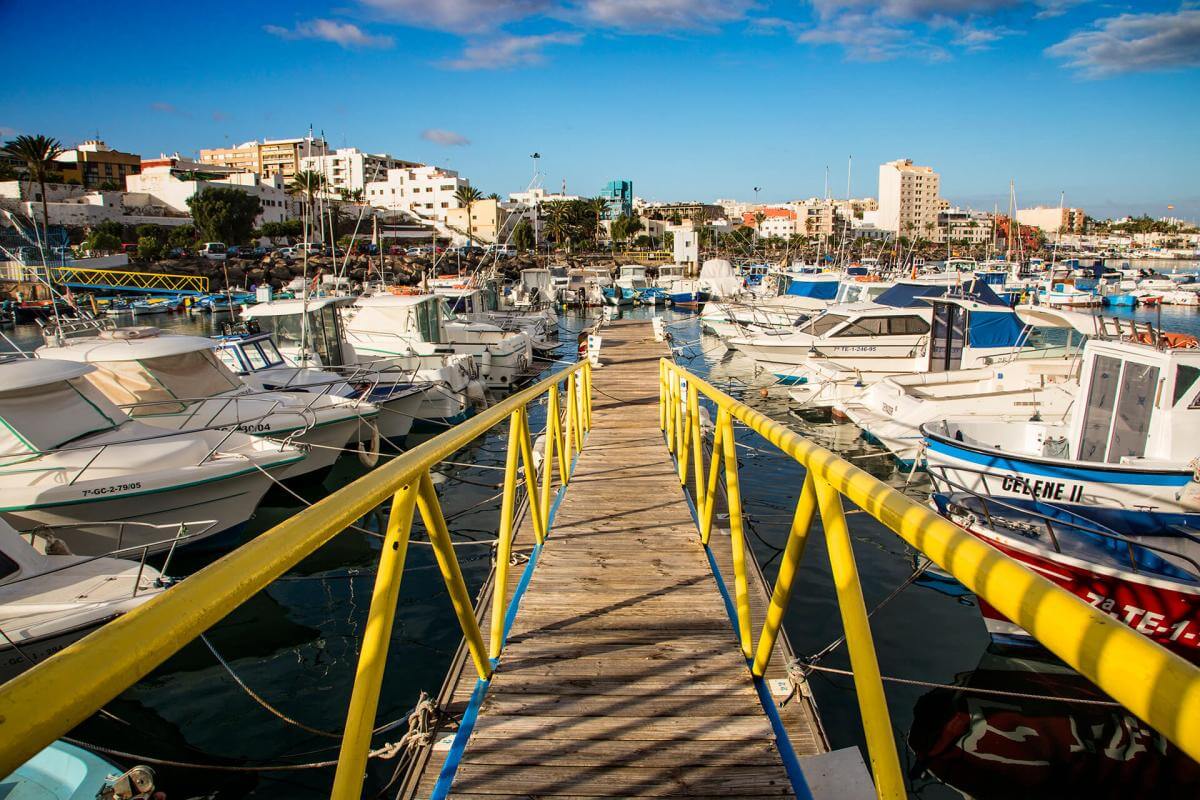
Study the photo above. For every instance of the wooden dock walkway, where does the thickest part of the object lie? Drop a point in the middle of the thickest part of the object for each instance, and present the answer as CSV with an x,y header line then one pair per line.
x,y
622,675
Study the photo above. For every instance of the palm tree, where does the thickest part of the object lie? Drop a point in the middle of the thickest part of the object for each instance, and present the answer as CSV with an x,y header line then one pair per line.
x,y
466,195
598,207
307,183
357,195
38,152
556,221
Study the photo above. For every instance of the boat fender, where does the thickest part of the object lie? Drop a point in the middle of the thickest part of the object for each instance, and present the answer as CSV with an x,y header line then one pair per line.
x,y
486,367
368,456
475,393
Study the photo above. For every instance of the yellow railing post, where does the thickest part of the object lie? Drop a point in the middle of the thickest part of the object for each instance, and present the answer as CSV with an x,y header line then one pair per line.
x,y
587,396
368,676
697,448
554,415
572,443
443,549
781,595
685,436
548,457
671,409
872,703
737,535
710,492
531,490
504,543
662,394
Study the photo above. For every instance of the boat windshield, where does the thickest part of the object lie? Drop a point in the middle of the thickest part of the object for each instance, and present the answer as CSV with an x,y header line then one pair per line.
x,y
324,336
150,384
823,324
41,418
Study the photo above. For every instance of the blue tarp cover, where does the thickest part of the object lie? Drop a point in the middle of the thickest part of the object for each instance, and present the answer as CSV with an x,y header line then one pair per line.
x,y
822,289
905,295
995,329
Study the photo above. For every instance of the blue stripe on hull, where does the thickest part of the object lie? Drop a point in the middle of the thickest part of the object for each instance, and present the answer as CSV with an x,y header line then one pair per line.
x,y
1115,473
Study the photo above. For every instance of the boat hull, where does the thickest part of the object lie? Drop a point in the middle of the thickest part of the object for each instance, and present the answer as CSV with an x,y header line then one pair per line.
x,y
228,500
1131,501
1165,611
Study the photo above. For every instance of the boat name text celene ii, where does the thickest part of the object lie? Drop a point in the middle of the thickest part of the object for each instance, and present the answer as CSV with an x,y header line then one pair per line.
x,y
1149,623
114,489
1043,490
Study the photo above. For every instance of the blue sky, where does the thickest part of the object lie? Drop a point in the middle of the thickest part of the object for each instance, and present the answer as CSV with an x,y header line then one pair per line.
x,y
689,99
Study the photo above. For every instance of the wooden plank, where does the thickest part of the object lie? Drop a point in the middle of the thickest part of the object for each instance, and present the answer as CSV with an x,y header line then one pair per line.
x,y
622,676
577,753
616,781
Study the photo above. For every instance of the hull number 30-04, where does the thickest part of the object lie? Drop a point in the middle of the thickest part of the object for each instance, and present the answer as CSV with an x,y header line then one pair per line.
x,y
116,488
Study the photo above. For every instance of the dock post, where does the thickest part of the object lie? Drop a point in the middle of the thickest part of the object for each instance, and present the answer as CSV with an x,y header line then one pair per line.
x,y
872,703
368,676
781,595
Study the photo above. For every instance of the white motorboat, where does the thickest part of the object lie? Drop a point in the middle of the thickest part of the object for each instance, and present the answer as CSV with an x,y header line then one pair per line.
x,y
914,328
69,455
732,319
1123,457
309,334
386,326
177,382
472,304
1040,381
255,359
50,599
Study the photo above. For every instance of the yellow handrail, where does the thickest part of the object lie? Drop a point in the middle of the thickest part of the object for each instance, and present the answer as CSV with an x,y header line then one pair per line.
x,y
1153,683
54,696
129,279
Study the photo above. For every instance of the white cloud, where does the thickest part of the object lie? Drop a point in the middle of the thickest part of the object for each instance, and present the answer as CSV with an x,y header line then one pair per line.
x,y
504,52
915,9
168,108
344,34
458,16
664,15
7,132
444,137
1134,43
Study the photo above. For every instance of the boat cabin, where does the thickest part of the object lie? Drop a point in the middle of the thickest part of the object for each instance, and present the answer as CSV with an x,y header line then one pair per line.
x,y
47,404
1138,401
633,276
306,332
249,352
150,373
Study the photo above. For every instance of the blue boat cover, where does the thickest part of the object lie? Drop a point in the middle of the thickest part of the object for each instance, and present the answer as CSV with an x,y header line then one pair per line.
x,y
995,329
822,289
906,295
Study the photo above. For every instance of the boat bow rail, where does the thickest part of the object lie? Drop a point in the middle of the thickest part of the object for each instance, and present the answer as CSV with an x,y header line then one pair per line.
x,y
1156,685
47,701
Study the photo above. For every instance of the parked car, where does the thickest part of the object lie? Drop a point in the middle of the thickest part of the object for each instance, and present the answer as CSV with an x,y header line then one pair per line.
x,y
214,251
466,250
178,252
129,248
287,253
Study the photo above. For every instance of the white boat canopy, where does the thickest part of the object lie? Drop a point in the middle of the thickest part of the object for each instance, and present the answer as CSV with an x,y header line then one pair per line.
x,y
47,404
1046,317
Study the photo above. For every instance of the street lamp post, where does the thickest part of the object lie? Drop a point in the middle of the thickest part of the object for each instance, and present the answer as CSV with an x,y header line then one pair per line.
x,y
536,204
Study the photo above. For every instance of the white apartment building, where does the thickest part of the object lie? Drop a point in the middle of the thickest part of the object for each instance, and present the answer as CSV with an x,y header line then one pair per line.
x,y
908,198
172,180
74,205
424,191
350,169
1052,219
958,225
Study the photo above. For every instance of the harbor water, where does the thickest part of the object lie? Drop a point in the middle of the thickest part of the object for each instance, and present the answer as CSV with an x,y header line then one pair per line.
x,y
296,644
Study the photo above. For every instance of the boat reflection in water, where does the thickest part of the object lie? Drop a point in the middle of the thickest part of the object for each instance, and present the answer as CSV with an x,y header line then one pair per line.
x,y
988,746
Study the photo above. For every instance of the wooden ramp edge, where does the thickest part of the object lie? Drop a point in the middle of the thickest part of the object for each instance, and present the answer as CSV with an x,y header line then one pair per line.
x,y
622,675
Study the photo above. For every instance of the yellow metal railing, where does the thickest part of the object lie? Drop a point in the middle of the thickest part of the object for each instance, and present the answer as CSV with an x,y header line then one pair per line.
x,y
130,280
1158,686
45,702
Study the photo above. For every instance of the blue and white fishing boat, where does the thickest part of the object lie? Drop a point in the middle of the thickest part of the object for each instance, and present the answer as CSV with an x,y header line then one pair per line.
x,y
680,290
618,295
1126,457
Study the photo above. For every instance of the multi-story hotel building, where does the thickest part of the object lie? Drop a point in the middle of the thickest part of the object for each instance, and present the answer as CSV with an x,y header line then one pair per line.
x,y
908,198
